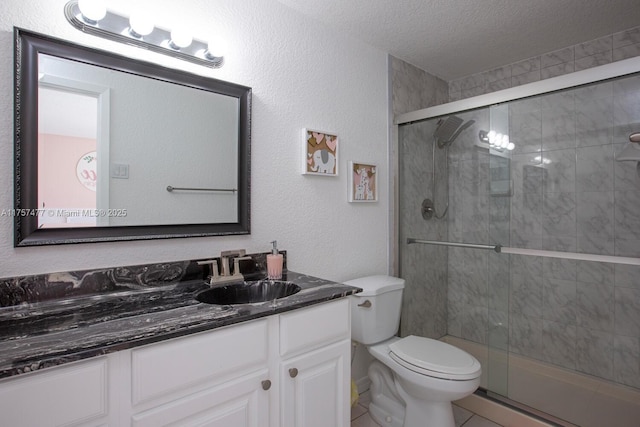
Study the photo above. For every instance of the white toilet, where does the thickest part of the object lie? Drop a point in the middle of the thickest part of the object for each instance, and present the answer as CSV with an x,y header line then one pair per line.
x,y
413,379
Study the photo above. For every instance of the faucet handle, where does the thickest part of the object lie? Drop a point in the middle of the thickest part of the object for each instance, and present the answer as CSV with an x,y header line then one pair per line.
x,y
225,266
214,268
236,264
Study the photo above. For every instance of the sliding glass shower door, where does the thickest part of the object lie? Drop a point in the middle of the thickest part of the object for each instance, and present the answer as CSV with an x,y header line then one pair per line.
x,y
547,191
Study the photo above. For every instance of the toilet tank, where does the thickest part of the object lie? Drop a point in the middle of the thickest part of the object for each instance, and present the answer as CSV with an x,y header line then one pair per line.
x,y
375,312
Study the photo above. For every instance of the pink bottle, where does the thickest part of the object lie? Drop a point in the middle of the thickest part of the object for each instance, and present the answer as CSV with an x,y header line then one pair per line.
x,y
274,263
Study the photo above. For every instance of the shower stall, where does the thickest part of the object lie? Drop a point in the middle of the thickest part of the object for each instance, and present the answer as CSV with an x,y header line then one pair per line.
x,y
519,239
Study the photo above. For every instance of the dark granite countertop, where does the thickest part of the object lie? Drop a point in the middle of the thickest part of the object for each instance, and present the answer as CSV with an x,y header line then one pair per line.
x,y
37,336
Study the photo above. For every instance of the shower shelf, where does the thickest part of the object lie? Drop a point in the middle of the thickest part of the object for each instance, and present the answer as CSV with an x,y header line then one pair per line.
x,y
534,252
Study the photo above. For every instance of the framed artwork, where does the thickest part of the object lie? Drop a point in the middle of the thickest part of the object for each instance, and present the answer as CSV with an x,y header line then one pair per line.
x,y
363,182
320,153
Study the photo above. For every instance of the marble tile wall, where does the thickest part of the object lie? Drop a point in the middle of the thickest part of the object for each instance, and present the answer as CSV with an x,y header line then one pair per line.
x,y
611,48
424,309
413,89
469,220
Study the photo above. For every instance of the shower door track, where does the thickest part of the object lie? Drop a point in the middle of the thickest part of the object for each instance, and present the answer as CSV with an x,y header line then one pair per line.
x,y
533,252
521,408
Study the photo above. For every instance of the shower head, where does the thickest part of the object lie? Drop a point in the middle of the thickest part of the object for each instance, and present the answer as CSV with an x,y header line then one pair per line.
x,y
445,130
449,129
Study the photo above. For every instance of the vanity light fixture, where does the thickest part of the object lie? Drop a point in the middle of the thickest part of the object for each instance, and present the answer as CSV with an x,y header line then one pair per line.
x,y
92,17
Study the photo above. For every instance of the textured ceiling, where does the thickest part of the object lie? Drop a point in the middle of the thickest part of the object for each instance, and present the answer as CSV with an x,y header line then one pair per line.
x,y
456,38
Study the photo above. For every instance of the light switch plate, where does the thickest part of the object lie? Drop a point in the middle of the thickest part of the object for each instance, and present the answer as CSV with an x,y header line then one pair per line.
x,y
120,171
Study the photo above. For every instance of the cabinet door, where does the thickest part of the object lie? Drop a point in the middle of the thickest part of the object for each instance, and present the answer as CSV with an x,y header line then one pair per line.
x,y
166,371
76,394
242,402
315,388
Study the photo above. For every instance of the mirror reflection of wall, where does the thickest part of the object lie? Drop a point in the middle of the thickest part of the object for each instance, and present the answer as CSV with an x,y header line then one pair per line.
x,y
161,135
67,172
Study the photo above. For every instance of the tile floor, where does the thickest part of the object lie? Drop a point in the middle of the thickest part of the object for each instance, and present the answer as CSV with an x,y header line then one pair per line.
x,y
360,416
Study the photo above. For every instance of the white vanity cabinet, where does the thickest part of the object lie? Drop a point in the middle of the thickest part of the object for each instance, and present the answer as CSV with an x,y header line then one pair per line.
x,y
315,368
284,370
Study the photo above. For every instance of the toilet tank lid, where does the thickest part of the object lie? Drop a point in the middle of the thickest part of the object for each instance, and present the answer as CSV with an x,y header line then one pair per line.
x,y
376,285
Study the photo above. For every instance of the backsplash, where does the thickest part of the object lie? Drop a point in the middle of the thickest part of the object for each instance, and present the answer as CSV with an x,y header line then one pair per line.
x,y
69,284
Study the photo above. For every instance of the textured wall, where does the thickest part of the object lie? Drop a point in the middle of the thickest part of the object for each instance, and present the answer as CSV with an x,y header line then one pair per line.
x,y
301,77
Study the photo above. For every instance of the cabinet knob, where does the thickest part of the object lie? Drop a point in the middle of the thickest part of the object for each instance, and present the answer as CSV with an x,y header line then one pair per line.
x,y
266,385
293,372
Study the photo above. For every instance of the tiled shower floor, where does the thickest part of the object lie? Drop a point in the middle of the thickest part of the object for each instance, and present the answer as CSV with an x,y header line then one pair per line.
x,y
360,416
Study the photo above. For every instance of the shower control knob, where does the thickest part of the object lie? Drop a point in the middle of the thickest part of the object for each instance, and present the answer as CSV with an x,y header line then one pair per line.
x,y
427,209
293,372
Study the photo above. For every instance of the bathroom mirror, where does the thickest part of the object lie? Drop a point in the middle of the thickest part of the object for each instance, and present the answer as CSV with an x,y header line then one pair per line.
x,y
109,148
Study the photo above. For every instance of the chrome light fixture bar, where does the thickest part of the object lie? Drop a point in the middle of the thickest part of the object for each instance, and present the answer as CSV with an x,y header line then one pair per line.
x,y
110,25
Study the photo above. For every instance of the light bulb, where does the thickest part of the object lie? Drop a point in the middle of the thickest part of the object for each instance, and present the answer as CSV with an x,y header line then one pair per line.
x,y
215,49
180,38
505,141
92,10
511,146
140,25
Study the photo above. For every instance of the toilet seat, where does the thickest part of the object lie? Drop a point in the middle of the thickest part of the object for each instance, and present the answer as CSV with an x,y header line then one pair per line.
x,y
434,358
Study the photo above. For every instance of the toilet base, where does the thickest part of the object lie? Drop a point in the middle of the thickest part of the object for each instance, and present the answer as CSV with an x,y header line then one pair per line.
x,y
393,406
383,417
386,407
421,413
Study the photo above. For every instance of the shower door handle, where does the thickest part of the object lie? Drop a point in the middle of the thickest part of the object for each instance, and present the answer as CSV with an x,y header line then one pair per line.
x,y
365,304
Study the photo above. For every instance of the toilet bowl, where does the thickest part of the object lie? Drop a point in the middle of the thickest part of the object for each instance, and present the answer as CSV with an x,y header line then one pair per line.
x,y
427,392
413,379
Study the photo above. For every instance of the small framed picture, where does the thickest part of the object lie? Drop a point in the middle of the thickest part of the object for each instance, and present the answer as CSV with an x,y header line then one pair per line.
x,y
320,153
363,182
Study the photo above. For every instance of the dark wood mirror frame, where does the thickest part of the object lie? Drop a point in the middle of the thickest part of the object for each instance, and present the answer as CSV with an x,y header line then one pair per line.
x,y
27,47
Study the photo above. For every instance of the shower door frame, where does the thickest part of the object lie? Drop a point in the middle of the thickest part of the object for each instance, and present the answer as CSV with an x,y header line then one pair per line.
x,y
577,78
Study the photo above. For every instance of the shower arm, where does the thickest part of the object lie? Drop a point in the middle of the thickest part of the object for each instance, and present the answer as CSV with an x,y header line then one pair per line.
x,y
432,209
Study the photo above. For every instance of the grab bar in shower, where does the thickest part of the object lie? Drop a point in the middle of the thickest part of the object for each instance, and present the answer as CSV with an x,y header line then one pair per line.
x,y
228,190
496,248
535,252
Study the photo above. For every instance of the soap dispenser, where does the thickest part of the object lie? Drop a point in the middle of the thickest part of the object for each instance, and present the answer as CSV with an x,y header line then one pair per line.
x,y
274,263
